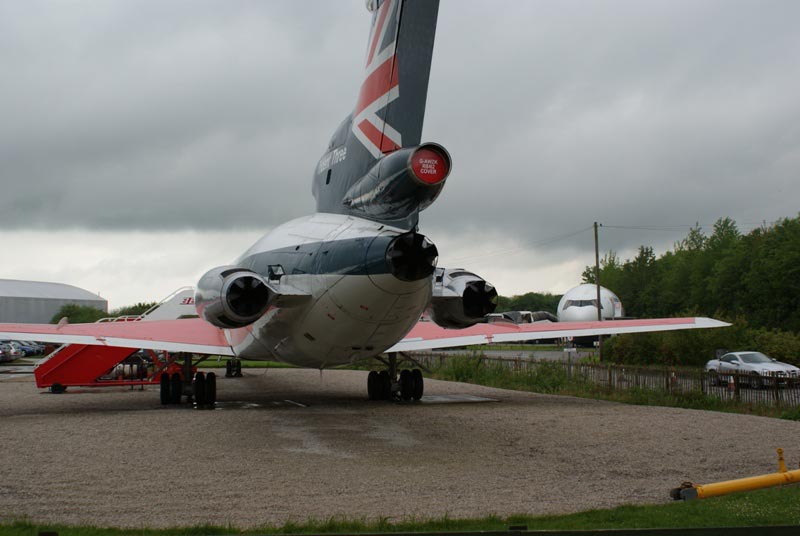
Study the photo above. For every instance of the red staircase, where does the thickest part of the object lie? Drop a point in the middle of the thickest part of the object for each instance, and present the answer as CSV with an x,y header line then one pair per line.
x,y
81,365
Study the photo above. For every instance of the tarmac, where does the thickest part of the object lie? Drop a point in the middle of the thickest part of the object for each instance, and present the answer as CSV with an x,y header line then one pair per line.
x,y
293,444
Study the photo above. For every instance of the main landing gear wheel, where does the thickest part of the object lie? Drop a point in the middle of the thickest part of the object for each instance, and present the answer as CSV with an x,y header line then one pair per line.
x,y
406,385
419,384
205,389
228,369
372,386
211,389
410,386
238,369
165,391
199,388
176,388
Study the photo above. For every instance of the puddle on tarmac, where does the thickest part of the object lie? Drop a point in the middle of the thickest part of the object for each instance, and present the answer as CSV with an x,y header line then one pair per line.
x,y
454,399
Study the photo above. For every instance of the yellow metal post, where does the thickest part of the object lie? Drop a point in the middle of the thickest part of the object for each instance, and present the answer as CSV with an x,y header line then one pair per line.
x,y
783,476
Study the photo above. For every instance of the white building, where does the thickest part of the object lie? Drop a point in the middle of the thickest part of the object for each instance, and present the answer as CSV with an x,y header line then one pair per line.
x,y
36,302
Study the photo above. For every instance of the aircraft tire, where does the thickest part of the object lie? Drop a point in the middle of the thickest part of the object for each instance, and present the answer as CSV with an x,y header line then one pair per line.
x,y
211,389
238,369
418,384
176,388
165,389
406,384
200,389
372,385
384,386
228,369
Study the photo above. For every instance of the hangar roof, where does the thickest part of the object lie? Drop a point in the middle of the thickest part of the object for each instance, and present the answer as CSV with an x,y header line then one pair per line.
x,y
14,288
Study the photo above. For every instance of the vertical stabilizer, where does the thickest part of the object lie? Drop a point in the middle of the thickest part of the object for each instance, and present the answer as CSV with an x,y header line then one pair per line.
x,y
390,106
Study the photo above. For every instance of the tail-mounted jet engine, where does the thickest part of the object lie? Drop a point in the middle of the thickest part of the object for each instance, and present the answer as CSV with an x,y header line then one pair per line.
x,y
400,183
411,256
460,299
231,297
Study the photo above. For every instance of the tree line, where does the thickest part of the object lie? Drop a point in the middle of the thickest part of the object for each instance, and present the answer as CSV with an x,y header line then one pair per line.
x,y
752,280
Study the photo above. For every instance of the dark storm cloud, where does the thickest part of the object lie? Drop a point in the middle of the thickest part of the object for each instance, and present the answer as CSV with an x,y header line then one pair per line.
x,y
212,115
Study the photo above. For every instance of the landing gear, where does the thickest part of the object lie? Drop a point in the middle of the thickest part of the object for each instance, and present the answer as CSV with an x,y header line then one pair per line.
x,y
164,384
233,368
205,389
176,388
408,385
177,382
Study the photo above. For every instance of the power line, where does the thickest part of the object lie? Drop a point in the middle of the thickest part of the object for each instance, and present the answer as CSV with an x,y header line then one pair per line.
x,y
528,245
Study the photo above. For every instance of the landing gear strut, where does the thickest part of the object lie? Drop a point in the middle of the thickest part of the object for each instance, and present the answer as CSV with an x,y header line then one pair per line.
x,y
233,368
388,384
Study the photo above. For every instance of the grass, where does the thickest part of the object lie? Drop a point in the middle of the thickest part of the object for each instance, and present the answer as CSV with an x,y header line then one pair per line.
x,y
775,506
552,378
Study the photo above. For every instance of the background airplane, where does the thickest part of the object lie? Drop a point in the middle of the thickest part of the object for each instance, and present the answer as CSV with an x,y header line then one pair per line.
x,y
352,280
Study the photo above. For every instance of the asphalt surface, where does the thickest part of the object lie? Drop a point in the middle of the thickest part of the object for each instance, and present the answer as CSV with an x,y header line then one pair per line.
x,y
289,444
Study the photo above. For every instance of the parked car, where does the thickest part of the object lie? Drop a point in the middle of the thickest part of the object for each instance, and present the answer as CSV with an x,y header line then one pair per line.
x,y
36,348
27,349
755,365
11,351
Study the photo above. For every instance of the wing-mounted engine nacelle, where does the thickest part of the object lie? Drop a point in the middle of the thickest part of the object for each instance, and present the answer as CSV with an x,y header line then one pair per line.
x,y
400,183
460,298
232,297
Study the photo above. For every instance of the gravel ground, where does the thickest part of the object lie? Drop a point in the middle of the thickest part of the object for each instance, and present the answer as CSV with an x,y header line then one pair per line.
x,y
115,457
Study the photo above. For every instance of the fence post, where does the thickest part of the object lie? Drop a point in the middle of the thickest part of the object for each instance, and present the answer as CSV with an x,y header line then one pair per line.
x,y
609,377
775,388
736,387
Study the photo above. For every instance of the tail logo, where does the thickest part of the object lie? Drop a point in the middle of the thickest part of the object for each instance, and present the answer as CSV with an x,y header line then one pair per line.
x,y
381,85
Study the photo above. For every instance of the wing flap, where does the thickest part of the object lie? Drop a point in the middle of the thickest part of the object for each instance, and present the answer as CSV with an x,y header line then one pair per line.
x,y
428,335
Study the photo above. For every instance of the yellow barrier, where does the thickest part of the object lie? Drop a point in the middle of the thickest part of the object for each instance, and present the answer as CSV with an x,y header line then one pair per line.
x,y
783,476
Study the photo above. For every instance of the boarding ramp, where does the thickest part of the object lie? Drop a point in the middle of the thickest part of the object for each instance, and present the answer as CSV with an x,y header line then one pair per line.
x,y
87,365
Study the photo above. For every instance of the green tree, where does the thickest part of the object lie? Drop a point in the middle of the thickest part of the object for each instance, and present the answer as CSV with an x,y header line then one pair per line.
x,y
78,314
133,310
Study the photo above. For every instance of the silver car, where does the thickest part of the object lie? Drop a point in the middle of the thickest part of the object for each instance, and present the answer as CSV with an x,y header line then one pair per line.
x,y
754,365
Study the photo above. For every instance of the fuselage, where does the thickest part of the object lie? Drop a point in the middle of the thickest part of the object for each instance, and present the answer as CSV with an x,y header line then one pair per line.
x,y
344,303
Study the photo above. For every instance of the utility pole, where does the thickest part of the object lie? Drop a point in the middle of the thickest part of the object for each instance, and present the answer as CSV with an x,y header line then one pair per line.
x,y
597,283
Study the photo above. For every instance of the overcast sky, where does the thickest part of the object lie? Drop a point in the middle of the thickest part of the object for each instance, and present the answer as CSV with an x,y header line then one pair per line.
x,y
144,142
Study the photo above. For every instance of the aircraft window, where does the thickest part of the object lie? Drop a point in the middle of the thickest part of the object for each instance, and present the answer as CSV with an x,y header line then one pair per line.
x,y
328,177
580,303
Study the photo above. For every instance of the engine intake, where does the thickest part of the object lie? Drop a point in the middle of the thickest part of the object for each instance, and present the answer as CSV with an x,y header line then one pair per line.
x,y
461,299
231,297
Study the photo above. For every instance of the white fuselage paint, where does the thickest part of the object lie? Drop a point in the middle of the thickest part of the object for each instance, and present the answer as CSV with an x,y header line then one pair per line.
x,y
346,317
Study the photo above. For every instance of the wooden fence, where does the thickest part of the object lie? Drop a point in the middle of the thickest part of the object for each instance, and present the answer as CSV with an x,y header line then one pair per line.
x,y
744,388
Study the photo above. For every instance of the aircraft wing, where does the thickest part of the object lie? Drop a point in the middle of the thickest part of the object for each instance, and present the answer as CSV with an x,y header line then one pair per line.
x,y
191,335
428,335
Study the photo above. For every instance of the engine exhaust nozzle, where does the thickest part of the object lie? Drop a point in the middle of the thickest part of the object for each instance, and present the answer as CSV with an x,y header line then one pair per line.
x,y
412,256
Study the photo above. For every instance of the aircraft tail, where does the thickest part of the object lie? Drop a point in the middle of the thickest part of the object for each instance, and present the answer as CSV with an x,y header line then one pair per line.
x,y
390,107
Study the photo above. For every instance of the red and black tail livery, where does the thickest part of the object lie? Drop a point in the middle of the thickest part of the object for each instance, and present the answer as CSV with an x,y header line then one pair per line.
x,y
388,114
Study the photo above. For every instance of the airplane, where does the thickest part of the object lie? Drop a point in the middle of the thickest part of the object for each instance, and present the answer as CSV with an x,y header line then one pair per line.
x,y
351,281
